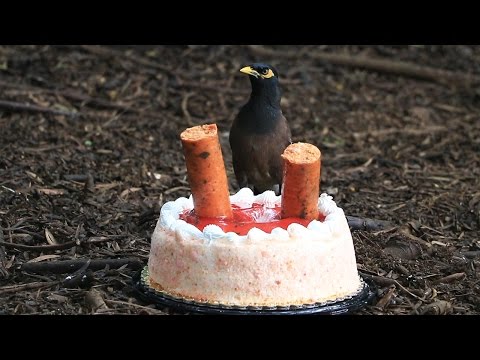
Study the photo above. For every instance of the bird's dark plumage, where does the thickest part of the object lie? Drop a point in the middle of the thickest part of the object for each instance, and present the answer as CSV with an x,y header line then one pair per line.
x,y
260,133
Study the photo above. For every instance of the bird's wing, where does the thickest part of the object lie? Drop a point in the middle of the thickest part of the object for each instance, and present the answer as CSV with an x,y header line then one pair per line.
x,y
238,157
276,163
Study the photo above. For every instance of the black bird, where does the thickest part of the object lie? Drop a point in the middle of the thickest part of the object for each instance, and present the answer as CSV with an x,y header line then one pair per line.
x,y
260,133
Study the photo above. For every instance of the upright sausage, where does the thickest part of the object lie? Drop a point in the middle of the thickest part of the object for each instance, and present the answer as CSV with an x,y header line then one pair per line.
x,y
301,181
206,171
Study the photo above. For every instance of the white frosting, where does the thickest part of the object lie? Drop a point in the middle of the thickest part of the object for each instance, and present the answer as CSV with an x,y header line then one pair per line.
x,y
332,227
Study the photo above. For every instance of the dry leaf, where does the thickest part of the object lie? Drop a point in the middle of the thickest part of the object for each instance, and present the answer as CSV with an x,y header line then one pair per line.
x,y
51,191
34,177
43,258
94,300
130,190
50,238
439,307
106,186
402,249
115,246
9,264
430,294
58,298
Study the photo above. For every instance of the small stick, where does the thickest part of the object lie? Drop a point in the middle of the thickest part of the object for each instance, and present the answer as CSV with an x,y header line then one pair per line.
x,y
76,177
76,96
64,246
301,181
387,282
206,171
176,188
184,106
3,259
471,254
450,278
67,266
67,245
365,224
148,309
24,287
13,105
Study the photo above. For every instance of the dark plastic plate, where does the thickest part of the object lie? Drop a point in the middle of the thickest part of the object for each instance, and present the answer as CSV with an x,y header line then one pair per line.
x,y
341,306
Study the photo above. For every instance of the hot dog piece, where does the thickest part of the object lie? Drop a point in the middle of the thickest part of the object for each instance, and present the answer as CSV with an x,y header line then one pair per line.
x,y
206,171
301,181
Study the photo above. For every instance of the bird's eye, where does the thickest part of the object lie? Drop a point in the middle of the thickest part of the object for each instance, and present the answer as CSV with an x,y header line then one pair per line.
x,y
264,71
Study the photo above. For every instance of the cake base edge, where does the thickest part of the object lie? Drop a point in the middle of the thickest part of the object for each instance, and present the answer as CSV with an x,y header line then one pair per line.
x,y
347,304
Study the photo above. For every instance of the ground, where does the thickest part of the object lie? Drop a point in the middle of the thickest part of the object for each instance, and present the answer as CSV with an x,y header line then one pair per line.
x,y
85,179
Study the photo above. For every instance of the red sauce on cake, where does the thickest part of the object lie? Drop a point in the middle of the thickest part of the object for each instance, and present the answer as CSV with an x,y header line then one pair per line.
x,y
243,220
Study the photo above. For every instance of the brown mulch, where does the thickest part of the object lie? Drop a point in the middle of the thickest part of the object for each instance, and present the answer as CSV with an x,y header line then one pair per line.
x,y
90,150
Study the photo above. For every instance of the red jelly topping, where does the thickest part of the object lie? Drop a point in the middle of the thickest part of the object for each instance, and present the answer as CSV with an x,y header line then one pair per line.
x,y
243,220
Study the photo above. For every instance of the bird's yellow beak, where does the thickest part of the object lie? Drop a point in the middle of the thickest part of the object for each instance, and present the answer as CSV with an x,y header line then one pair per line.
x,y
249,71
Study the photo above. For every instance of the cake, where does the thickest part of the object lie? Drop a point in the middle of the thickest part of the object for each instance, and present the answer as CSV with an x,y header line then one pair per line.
x,y
247,250
302,264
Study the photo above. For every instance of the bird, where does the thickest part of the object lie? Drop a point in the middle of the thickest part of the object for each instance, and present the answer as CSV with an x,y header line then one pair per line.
x,y
260,133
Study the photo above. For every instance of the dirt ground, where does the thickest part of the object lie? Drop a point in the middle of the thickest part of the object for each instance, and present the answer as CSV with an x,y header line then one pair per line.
x,y
86,166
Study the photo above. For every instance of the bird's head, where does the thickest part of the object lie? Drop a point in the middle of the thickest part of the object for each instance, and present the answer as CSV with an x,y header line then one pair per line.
x,y
260,72
264,80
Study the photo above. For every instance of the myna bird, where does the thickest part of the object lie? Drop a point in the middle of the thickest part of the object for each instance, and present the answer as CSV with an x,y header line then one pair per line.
x,y
260,133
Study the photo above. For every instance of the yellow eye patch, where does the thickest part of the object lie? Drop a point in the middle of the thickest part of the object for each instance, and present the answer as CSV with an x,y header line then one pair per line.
x,y
268,75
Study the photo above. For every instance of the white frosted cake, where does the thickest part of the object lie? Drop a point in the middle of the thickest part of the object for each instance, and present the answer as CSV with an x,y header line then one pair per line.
x,y
299,265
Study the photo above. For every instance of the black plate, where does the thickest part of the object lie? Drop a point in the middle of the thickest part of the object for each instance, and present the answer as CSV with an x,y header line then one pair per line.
x,y
341,306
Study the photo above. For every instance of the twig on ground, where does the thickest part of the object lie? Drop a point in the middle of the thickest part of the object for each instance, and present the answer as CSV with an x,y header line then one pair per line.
x,y
365,224
86,100
471,254
176,188
26,287
3,259
450,278
63,246
184,106
383,281
17,106
67,266
146,308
